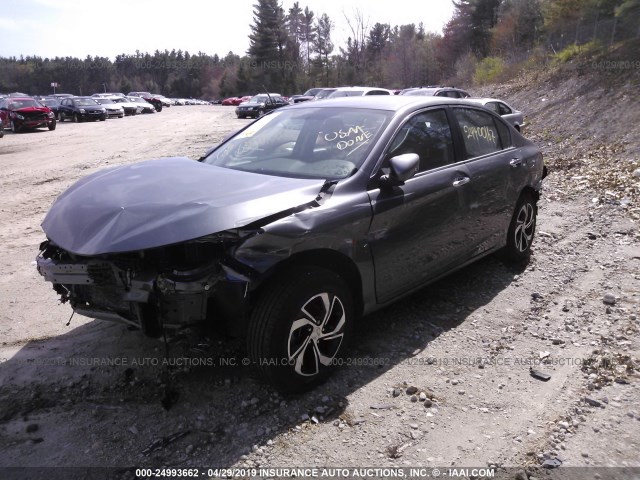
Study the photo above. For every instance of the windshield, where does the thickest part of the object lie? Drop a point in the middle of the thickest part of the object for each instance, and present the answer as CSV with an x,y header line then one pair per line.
x,y
85,102
327,143
325,93
104,101
347,93
422,92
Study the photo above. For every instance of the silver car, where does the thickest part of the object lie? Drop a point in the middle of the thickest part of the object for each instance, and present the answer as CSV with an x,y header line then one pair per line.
x,y
510,114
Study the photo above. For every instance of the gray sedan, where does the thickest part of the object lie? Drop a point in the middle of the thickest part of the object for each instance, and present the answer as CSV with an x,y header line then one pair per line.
x,y
298,224
502,108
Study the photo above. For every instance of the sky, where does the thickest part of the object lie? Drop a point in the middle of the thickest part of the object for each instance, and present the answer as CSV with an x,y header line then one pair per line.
x,y
77,28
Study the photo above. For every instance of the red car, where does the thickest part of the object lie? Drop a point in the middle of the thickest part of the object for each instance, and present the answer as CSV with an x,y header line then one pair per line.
x,y
25,113
229,101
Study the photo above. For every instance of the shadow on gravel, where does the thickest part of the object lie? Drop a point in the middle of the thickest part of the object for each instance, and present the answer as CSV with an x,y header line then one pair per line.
x,y
104,396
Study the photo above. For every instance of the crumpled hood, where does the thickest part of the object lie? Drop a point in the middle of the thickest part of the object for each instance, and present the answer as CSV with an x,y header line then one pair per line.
x,y
160,202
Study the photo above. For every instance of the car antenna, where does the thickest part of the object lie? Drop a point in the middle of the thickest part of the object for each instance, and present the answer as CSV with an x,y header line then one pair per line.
x,y
267,92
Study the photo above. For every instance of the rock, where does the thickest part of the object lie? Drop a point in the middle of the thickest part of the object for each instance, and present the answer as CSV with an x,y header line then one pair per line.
x,y
461,392
455,382
564,425
609,298
133,429
422,397
585,454
593,402
189,449
536,295
414,398
521,475
396,392
411,390
636,173
428,403
32,427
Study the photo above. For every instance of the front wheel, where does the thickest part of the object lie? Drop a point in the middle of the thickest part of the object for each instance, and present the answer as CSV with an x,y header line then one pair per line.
x,y
61,117
522,229
76,118
300,328
159,107
52,125
14,128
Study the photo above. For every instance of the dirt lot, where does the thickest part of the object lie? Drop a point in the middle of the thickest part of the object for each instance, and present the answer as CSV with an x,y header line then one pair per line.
x,y
441,379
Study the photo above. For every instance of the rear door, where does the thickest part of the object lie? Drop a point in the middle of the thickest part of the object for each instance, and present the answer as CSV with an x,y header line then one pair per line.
x,y
494,166
418,229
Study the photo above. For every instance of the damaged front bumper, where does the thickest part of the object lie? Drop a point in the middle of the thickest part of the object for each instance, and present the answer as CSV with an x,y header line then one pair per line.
x,y
129,289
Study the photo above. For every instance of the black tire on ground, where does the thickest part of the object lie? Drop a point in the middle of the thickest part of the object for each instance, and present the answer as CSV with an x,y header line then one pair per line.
x,y
61,117
300,327
158,107
14,127
52,125
521,229
76,118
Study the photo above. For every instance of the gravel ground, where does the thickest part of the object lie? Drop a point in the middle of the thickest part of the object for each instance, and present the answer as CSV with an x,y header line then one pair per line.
x,y
440,379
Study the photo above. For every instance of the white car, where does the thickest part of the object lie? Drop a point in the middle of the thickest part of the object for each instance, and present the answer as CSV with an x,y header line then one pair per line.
x,y
502,108
112,108
146,106
358,92
129,107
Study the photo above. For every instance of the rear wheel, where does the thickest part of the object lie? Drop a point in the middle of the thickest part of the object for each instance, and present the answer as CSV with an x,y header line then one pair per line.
x,y
62,117
522,229
300,327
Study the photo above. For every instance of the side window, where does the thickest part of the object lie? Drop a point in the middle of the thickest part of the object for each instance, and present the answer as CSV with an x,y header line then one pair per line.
x,y
493,106
428,135
479,132
503,109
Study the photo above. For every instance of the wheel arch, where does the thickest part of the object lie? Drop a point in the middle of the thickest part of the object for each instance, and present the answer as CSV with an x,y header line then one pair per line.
x,y
322,258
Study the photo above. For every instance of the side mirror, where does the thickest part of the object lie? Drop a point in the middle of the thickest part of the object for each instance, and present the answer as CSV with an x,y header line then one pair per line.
x,y
402,168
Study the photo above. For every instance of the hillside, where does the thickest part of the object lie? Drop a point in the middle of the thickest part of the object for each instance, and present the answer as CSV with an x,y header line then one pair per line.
x,y
585,114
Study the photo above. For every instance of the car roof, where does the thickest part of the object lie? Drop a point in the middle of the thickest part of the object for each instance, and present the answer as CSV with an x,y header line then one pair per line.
x,y
383,102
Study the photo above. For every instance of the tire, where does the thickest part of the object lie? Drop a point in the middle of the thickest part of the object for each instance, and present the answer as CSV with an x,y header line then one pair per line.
x,y
62,117
14,127
521,229
293,337
159,107
76,118
52,125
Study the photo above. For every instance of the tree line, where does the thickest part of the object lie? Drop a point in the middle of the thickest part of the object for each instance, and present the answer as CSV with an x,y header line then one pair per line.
x,y
290,51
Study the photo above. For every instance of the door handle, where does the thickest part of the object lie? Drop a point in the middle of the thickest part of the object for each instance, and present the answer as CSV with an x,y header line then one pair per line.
x,y
459,181
515,162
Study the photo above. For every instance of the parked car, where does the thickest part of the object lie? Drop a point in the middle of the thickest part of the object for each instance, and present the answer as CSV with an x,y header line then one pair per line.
x,y
113,109
296,225
260,104
53,103
81,109
358,92
130,107
231,101
141,102
149,97
324,93
306,96
1,128
511,115
21,113
450,92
